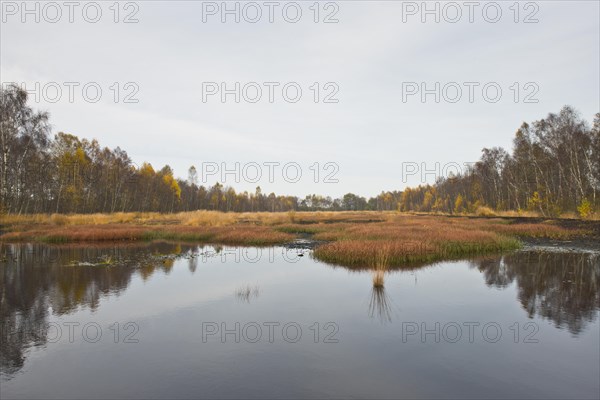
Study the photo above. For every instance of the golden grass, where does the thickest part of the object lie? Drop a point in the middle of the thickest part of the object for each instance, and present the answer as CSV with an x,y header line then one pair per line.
x,y
191,218
218,218
206,218
485,212
80,219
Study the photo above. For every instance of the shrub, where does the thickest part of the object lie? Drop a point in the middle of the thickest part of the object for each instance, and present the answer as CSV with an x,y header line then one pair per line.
x,y
585,209
59,219
483,211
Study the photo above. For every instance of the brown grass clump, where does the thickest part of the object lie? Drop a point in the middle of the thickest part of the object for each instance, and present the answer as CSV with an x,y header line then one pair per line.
x,y
381,263
373,254
75,233
254,235
405,240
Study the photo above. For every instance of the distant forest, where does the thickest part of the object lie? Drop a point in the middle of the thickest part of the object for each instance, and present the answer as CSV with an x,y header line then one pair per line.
x,y
554,168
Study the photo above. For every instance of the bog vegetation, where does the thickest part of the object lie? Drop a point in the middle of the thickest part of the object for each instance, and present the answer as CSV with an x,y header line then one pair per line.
x,y
365,239
553,169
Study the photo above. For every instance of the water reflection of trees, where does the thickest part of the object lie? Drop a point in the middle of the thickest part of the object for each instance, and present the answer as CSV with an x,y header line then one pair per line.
x,y
561,287
37,280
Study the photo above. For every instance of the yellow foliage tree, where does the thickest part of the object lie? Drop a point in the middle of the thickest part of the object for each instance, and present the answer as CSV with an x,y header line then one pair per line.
x,y
458,204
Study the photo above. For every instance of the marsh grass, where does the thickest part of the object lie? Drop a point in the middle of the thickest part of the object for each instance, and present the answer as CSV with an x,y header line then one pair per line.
x,y
378,278
404,240
381,263
370,240
252,235
190,218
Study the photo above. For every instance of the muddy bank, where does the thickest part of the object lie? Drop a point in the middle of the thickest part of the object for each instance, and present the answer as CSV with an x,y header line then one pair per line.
x,y
305,241
592,226
588,243
584,245
579,245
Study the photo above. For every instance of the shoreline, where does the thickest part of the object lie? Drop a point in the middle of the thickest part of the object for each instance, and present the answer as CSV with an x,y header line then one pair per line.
x,y
361,239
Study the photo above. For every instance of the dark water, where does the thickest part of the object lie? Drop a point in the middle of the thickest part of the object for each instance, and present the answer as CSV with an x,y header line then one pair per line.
x,y
175,321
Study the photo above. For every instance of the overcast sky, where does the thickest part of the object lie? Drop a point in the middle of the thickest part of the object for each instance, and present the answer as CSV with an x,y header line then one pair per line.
x,y
368,58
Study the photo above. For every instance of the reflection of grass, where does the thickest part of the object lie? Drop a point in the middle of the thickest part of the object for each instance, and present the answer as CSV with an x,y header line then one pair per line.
x,y
247,292
380,305
107,260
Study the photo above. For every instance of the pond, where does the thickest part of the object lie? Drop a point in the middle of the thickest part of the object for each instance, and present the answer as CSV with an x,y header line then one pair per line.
x,y
175,320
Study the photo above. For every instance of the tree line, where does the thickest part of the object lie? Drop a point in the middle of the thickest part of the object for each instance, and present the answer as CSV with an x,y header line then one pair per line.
x,y
554,167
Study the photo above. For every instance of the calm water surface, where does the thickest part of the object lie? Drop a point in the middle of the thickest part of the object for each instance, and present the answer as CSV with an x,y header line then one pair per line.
x,y
167,320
